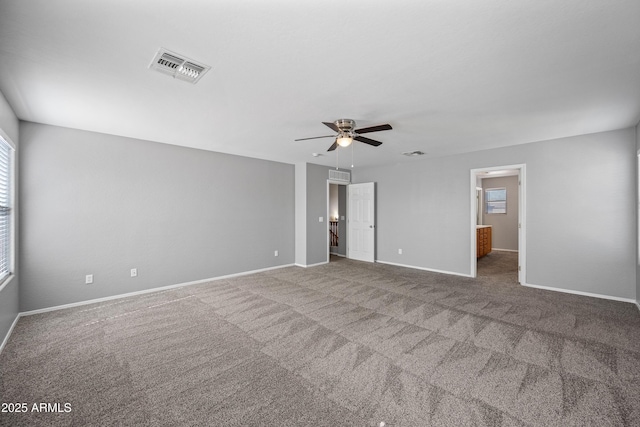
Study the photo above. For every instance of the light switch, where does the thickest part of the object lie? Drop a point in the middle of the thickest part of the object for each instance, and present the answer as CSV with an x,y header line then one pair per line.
x,y
342,217
321,219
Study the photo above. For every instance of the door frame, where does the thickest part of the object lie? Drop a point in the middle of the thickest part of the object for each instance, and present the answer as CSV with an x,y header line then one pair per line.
x,y
329,182
372,226
522,214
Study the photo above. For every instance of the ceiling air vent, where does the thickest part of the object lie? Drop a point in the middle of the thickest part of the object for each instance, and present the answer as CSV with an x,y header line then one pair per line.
x,y
178,66
337,175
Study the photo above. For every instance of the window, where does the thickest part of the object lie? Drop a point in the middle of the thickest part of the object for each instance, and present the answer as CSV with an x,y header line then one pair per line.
x,y
5,209
495,200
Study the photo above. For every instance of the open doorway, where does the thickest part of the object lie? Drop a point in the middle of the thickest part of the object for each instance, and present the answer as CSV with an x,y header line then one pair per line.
x,y
355,221
337,215
498,222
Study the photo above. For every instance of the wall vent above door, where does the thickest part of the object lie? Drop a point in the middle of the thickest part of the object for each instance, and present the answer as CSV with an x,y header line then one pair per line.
x,y
178,66
337,175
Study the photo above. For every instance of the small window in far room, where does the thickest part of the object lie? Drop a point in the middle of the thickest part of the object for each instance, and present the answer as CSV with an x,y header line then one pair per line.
x,y
495,200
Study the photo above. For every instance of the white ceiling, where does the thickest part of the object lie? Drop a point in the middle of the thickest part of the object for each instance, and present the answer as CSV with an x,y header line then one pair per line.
x,y
449,76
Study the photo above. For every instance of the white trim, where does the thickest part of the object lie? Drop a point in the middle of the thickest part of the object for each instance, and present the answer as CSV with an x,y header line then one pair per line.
x,y
327,218
638,305
522,220
11,265
504,250
479,202
312,265
7,281
13,232
333,181
522,205
433,270
329,183
586,294
148,291
6,337
4,136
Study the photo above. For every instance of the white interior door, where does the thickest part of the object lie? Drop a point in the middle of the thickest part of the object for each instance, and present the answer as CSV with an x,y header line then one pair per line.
x,y
361,217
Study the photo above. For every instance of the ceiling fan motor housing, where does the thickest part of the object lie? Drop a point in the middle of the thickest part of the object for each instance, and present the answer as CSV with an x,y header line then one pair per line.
x,y
346,127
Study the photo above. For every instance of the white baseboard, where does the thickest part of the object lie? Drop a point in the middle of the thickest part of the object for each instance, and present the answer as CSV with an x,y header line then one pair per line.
x,y
433,270
147,291
504,250
311,265
6,338
638,305
586,294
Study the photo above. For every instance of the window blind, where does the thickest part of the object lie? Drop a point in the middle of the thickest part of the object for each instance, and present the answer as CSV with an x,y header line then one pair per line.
x,y
5,208
496,200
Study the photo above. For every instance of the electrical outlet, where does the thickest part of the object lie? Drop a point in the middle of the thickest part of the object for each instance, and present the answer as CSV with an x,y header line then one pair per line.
x,y
399,251
275,253
88,279
134,272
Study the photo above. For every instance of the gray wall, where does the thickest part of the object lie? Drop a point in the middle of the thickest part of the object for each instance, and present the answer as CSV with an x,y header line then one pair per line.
x,y
9,303
581,213
301,214
504,230
102,204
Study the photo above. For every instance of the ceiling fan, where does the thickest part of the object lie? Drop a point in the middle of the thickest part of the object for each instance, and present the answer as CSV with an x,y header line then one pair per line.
x,y
347,133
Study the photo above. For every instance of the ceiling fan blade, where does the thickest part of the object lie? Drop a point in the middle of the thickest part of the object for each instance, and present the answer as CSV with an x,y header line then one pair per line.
x,y
315,137
374,128
332,126
333,146
367,140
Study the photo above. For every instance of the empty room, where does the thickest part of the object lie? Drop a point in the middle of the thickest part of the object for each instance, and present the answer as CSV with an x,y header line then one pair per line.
x,y
296,213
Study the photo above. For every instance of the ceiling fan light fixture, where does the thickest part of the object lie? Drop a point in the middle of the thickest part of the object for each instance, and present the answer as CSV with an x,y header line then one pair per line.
x,y
344,140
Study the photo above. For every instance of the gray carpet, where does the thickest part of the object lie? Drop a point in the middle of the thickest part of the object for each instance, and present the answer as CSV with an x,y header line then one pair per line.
x,y
345,344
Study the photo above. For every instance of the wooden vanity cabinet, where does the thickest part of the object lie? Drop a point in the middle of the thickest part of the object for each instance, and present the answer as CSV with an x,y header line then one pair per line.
x,y
483,240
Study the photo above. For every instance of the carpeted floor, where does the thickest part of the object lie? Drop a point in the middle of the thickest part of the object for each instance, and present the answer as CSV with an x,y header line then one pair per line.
x,y
344,344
